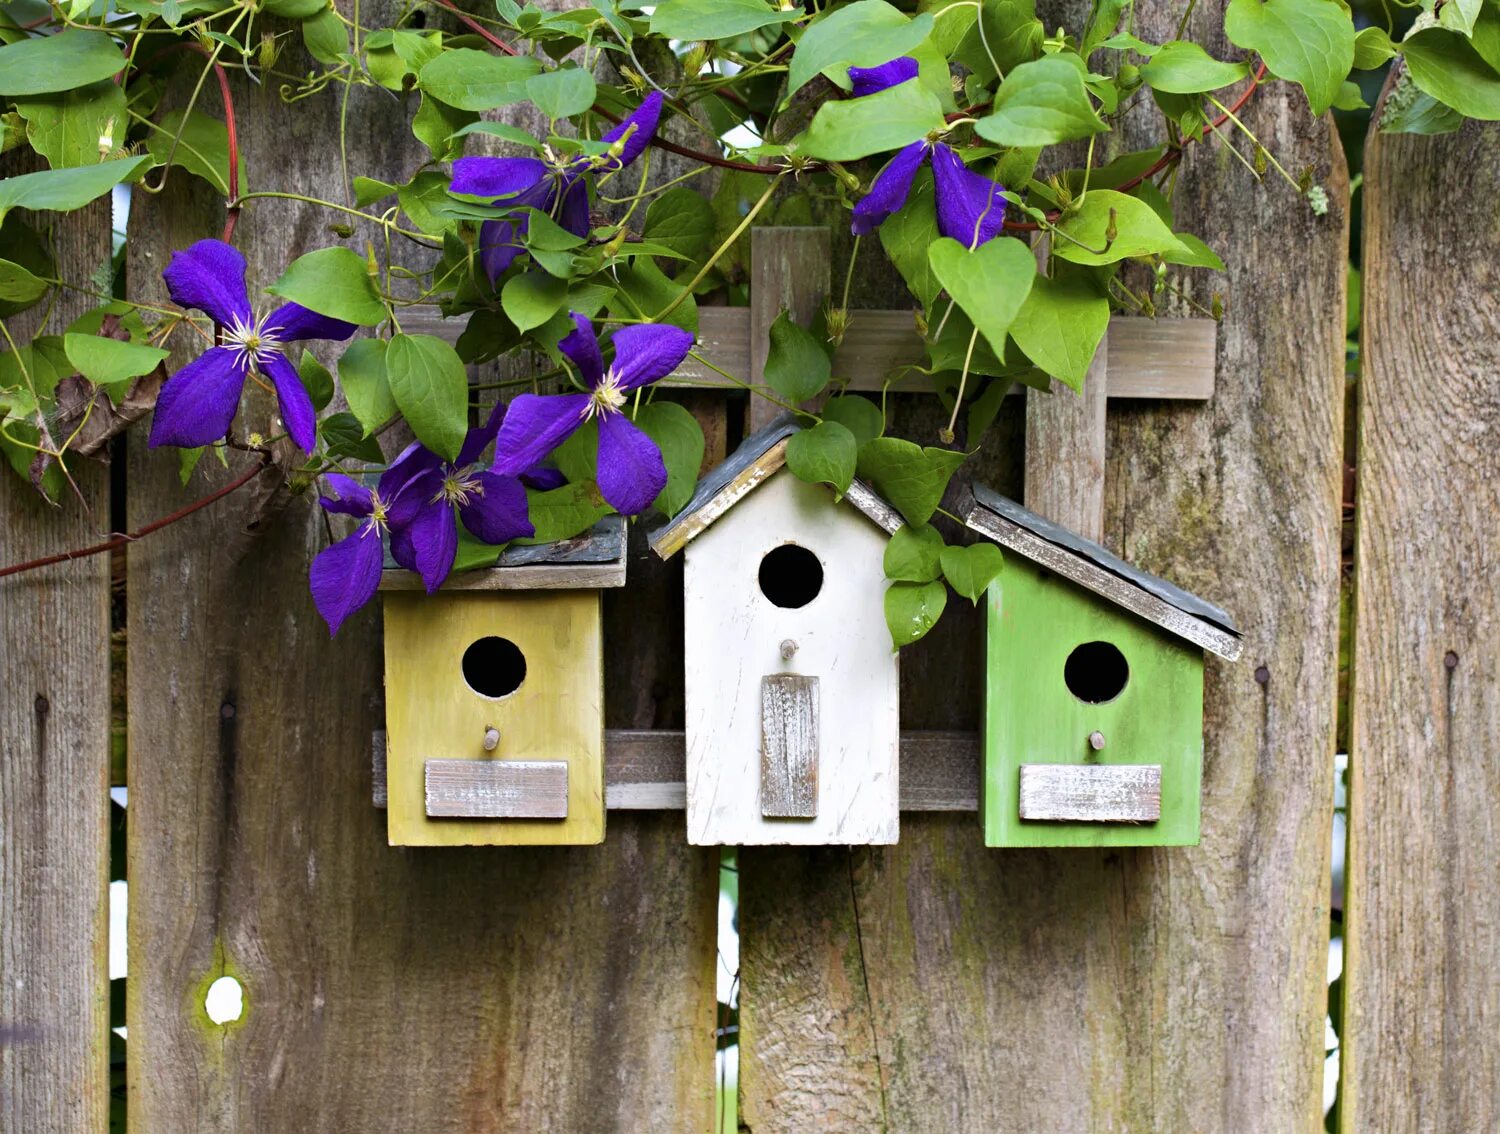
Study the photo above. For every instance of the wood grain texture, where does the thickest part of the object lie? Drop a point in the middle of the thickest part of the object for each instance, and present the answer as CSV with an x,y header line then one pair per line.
x,y
1091,793
1065,451
385,989
789,271
1421,1046
788,746
497,789
936,986
54,769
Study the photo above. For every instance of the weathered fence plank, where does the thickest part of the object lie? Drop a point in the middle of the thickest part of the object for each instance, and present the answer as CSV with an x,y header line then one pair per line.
x,y
385,989
1421,1046
54,772
940,986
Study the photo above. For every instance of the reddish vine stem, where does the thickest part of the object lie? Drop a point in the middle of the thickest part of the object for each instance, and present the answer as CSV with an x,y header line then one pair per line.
x,y
130,537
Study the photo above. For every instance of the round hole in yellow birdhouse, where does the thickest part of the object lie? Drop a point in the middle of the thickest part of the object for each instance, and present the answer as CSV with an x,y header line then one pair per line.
x,y
1096,672
790,576
494,667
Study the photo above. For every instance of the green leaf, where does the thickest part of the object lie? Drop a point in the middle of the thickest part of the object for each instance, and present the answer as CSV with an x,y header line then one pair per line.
x,y
48,63
438,126
1009,34
860,416
561,93
990,282
912,609
542,232
334,282
344,437
1350,97
1060,325
325,36
1194,253
425,199
644,290
104,361
1310,42
316,380
293,9
431,390
1182,67
680,438
501,130
532,298
908,235
72,127
913,554
1372,48
563,513
858,127
18,286
1138,231
1039,104
716,19
865,33
476,80
911,478
366,386
203,149
970,570
1445,65
681,220
797,367
367,190
63,190
825,454
1410,110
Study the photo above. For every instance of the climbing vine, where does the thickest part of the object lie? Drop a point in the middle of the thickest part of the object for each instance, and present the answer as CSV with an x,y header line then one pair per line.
x,y
927,123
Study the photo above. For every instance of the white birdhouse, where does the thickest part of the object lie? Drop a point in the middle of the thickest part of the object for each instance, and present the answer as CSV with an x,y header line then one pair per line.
x,y
793,719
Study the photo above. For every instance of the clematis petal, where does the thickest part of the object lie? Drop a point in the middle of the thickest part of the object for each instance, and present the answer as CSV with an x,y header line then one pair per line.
x,y
535,424
497,512
543,478
349,496
292,322
496,177
631,470
644,119
970,208
210,275
410,497
648,351
582,346
297,412
197,404
498,245
573,215
872,80
477,440
345,576
414,460
428,544
889,192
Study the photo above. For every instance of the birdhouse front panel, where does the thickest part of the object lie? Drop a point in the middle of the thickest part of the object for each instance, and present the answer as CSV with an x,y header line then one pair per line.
x,y
494,718
792,685
1094,720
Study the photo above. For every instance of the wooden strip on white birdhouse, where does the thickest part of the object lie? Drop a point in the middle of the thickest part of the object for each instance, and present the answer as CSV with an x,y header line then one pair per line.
x,y
497,789
789,746
1091,793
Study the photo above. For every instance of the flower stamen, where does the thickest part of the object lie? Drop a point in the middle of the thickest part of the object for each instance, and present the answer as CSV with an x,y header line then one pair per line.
x,y
607,397
254,343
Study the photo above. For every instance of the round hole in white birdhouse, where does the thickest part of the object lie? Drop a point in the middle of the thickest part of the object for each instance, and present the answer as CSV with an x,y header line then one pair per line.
x,y
494,666
790,576
1096,672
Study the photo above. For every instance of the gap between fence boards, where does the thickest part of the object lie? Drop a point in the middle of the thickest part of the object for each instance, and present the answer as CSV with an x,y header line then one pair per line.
x,y
644,770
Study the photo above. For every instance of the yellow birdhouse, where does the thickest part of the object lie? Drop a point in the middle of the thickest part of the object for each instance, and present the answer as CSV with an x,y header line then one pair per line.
x,y
494,693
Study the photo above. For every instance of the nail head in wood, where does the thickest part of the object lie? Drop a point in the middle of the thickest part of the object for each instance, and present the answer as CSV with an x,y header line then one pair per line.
x,y
497,789
1091,793
789,746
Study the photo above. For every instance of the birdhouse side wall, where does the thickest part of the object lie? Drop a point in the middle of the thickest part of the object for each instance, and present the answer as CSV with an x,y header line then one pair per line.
x,y
1035,620
734,638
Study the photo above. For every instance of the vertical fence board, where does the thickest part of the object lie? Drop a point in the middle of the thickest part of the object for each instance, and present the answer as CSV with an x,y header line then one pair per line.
x,y
486,989
940,986
54,773
1421,1047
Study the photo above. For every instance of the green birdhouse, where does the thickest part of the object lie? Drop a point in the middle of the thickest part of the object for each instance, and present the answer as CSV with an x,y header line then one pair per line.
x,y
1094,701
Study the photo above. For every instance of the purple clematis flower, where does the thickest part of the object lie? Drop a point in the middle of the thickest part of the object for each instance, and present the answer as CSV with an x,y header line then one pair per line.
x,y
631,472
970,208
556,188
198,403
490,505
345,575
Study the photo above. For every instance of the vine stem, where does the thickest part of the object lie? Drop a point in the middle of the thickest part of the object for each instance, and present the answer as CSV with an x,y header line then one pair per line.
x,y
130,537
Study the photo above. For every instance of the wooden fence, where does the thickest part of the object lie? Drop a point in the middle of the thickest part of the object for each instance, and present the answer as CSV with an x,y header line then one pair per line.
x,y
934,985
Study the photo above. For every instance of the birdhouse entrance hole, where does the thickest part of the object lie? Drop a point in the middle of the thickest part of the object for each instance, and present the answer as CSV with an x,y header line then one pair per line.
x,y
494,666
790,576
1096,672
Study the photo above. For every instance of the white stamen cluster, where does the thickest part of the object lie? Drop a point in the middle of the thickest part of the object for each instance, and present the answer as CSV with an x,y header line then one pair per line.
x,y
253,343
607,397
457,490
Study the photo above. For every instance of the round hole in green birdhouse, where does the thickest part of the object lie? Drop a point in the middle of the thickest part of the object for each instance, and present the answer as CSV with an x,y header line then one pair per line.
x,y
790,576
494,666
1096,672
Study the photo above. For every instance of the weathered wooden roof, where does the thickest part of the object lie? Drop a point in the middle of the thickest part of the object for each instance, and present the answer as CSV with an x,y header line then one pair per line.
x,y
759,457
594,559
1106,574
